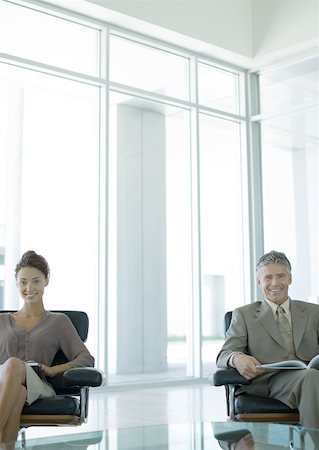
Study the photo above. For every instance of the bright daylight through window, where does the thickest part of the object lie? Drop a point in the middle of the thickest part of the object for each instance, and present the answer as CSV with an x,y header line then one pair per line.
x,y
125,162
165,157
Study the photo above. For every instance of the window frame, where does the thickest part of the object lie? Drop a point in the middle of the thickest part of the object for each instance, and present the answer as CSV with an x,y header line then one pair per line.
x,y
250,160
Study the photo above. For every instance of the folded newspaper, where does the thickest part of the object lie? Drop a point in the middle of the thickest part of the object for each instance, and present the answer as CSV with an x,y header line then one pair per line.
x,y
36,367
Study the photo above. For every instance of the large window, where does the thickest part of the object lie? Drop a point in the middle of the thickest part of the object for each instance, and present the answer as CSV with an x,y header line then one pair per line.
x,y
146,67
49,163
222,202
290,160
30,34
170,280
150,238
219,88
122,161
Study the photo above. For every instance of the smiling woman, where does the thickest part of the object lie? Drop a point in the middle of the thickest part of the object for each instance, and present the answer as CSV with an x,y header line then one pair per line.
x,y
33,334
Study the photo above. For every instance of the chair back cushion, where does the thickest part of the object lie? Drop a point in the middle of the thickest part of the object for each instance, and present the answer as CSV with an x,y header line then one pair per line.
x,y
80,320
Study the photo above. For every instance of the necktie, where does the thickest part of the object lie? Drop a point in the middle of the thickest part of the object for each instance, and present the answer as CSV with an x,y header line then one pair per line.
x,y
286,332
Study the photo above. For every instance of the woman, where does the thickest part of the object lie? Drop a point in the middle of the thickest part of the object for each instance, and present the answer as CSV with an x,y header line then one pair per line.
x,y
32,334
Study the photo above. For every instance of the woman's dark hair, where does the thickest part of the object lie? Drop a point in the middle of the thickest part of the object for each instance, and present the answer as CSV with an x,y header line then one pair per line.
x,y
32,259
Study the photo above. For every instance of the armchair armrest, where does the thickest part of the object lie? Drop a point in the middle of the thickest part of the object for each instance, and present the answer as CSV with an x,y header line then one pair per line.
x,y
227,376
84,376
230,378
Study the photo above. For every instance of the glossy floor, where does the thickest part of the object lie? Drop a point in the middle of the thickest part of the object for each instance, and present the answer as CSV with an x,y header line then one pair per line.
x,y
139,407
186,436
184,417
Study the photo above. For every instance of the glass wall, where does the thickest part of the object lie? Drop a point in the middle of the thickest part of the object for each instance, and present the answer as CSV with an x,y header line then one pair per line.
x,y
48,39
133,184
222,235
49,163
150,238
135,64
150,292
219,88
290,161
168,162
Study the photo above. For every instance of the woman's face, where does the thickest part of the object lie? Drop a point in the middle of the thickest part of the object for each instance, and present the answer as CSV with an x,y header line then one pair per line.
x,y
31,283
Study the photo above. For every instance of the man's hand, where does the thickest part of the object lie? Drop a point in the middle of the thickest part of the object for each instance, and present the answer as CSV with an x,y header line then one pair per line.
x,y
246,366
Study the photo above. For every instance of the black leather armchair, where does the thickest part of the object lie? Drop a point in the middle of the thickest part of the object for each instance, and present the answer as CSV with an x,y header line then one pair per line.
x,y
70,406
246,407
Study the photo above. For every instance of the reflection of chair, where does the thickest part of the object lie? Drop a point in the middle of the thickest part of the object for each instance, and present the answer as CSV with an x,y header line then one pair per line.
x,y
70,406
246,407
227,439
82,441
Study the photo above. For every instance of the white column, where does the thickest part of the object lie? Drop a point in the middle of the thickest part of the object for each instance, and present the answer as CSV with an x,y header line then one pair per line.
x,y
141,242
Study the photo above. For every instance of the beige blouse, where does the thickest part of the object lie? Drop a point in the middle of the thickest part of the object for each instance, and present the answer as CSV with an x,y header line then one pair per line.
x,y
53,332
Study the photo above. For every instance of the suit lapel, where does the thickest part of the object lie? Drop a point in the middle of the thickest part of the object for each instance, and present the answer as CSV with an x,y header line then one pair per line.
x,y
299,316
266,318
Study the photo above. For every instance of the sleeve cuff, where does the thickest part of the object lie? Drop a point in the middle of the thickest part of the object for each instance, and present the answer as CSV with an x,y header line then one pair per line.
x,y
230,362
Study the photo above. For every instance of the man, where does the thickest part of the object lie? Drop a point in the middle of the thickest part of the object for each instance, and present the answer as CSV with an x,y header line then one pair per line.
x,y
256,336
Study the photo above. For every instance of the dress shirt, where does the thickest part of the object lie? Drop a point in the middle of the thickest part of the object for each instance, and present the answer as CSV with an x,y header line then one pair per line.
x,y
285,306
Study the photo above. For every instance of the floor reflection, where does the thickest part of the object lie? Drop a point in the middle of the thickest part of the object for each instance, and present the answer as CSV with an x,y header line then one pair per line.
x,y
238,439
189,436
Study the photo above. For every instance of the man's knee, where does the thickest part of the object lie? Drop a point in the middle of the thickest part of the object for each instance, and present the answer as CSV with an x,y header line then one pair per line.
x,y
311,378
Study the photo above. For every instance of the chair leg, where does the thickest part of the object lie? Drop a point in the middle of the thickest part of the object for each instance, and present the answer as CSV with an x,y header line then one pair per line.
x,y
291,438
301,433
231,397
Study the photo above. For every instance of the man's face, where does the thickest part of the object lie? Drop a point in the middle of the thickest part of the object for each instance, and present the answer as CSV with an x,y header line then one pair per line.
x,y
274,281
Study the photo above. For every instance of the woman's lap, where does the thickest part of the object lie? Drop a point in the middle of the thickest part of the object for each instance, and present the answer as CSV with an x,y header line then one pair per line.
x,y
36,388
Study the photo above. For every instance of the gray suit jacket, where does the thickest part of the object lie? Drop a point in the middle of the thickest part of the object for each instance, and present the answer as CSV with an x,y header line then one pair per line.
x,y
253,331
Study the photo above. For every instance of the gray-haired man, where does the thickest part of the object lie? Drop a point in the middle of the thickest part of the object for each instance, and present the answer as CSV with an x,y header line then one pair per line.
x,y
256,336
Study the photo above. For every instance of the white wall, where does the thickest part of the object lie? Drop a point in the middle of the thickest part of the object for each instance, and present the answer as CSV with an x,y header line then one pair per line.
x,y
249,28
245,32
284,24
224,23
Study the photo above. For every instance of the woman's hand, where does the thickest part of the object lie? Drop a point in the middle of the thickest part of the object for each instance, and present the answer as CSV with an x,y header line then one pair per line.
x,y
48,371
54,370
